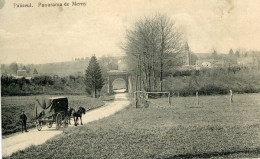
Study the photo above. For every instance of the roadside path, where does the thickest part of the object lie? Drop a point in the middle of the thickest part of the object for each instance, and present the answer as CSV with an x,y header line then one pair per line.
x,y
21,141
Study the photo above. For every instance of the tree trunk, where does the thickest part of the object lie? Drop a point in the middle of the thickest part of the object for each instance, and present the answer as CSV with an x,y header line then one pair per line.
x,y
140,67
149,80
161,75
94,92
136,77
153,72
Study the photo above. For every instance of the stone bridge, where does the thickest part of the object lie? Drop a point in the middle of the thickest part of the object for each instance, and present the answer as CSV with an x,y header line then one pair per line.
x,y
115,74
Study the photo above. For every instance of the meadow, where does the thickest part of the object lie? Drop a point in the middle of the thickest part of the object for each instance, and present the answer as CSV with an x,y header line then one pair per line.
x,y
12,107
212,129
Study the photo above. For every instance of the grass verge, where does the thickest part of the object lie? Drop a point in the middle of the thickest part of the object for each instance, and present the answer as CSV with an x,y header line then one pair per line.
x,y
212,129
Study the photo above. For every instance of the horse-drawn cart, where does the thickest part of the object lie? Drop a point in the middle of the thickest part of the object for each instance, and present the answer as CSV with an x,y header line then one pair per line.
x,y
52,111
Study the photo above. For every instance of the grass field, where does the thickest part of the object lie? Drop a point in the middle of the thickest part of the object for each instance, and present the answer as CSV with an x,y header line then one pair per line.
x,y
12,107
212,129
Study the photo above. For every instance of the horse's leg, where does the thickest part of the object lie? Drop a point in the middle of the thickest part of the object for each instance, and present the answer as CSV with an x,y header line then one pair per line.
x,y
75,122
70,118
81,119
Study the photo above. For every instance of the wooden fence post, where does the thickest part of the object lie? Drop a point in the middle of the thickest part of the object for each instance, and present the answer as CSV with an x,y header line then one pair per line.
x,y
169,98
231,97
197,95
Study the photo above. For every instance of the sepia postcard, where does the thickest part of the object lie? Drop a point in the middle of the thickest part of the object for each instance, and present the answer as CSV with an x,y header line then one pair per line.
x,y
130,79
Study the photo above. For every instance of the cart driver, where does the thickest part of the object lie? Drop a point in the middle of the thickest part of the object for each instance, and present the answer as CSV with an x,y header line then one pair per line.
x,y
23,118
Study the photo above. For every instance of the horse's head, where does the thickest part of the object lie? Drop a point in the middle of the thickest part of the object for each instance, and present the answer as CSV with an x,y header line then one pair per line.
x,y
82,110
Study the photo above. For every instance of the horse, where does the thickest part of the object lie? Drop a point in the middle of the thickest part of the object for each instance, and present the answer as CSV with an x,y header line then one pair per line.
x,y
70,114
76,115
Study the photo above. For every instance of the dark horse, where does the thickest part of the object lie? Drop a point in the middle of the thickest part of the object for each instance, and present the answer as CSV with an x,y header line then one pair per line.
x,y
76,115
70,113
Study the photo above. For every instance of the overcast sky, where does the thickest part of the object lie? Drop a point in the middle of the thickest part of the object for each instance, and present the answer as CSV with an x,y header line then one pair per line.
x,y
42,35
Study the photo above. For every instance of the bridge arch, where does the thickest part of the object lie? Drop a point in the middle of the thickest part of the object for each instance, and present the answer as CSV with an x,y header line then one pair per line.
x,y
116,74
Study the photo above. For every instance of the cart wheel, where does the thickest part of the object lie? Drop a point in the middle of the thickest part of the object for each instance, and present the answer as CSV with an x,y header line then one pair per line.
x,y
58,121
38,125
49,124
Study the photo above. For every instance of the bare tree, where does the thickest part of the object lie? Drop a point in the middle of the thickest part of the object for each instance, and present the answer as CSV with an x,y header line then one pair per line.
x,y
170,42
154,43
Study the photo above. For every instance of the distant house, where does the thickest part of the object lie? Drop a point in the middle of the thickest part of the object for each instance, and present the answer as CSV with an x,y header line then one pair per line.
x,y
28,78
18,77
22,74
250,62
210,63
204,64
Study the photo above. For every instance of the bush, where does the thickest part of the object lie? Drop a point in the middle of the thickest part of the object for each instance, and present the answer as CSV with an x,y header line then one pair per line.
x,y
213,89
213,81
42,85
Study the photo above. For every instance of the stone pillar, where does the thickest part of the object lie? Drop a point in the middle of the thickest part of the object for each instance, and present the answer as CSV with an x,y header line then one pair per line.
x,y
126,83
129,84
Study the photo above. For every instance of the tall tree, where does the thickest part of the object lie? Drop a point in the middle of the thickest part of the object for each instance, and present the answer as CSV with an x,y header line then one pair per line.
x,y
237,54
245,54
170,43
231,59
231,52
28,71
35,71
94,79
13,68
214,54
154,43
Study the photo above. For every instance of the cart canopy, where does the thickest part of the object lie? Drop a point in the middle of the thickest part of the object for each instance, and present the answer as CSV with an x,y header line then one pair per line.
x,y
51,106
57,104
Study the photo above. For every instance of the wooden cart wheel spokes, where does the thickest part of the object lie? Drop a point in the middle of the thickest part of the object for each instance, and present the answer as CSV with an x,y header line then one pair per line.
x,y
49,124
58,121
38,125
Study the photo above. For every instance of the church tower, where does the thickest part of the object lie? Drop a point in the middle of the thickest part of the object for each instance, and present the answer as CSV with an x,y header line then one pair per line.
x,y
187,54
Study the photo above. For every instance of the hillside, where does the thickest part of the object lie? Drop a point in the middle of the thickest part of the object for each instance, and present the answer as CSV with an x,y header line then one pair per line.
x,y
62,68
65,68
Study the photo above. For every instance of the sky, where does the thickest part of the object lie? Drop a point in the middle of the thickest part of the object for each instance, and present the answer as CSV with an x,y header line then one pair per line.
x,y
44,35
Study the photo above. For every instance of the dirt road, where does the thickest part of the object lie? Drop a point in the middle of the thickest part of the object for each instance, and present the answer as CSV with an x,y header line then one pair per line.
x,y
21,141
